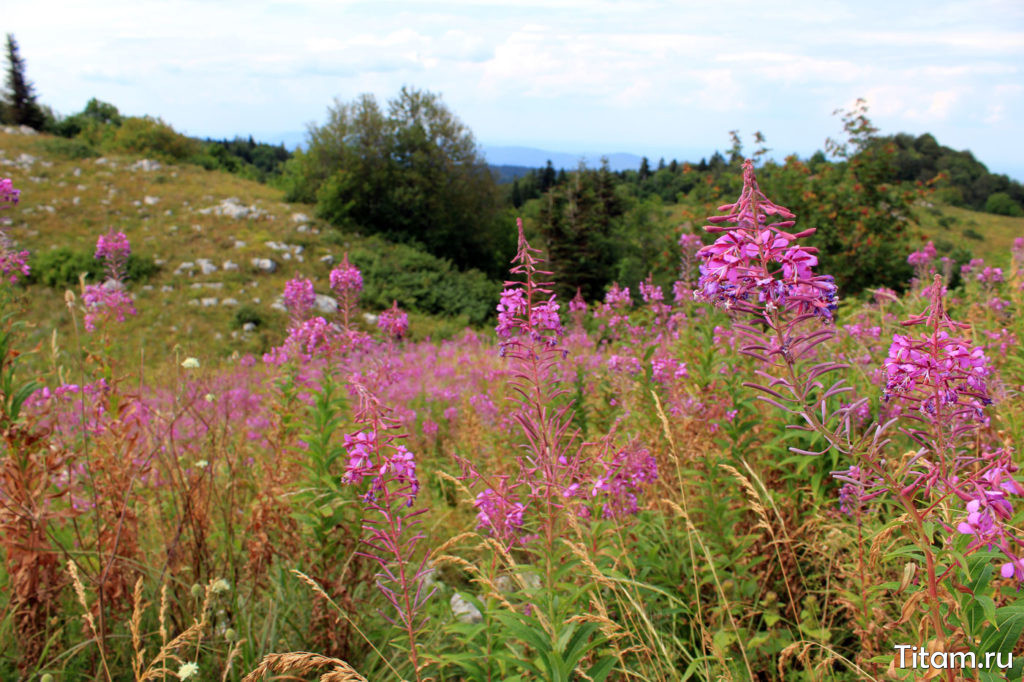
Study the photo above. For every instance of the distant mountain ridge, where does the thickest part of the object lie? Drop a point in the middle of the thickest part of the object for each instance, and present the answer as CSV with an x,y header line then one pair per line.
x,y
532,157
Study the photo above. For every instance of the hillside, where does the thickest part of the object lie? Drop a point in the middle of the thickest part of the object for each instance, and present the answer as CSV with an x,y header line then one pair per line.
x,y
224,247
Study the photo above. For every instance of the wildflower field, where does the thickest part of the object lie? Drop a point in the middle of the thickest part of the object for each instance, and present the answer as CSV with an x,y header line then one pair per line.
x,y
744,478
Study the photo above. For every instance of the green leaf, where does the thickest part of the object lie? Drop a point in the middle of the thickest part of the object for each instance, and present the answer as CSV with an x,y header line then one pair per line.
x,y
600,670
1006,631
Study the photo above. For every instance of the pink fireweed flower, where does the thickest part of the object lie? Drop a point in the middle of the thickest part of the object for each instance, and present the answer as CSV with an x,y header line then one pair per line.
x,y
515,316
650,292
511,307
113,246
8,194
628,473
104,301
690,242
499,514
923,257
393,321
742,267
399,467
939,368
12,263
113,249
299,297
577,304
346,278
618,298
859,486
970,267
990,275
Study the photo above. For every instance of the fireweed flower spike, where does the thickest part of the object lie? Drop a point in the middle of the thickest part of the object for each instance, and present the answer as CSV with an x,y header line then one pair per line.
x,y
299,298
111,298
12,263
756,265
940,382
390,525
531,334
756,269
394,322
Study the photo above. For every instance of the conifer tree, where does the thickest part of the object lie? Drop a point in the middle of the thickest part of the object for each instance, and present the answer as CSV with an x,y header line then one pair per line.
x,y
20,106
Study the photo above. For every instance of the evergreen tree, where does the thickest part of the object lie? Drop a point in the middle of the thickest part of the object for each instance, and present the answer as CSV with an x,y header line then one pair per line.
x,y
20,106
547,177
645,169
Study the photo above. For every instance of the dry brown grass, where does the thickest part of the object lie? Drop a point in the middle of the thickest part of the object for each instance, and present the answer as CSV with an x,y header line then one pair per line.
x,y
303,663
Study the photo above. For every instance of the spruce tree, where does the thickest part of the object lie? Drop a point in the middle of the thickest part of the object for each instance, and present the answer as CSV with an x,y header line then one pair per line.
x,y
645,169
20,106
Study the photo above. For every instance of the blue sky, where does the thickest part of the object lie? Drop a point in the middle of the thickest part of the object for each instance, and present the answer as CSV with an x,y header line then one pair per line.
x,y
647,77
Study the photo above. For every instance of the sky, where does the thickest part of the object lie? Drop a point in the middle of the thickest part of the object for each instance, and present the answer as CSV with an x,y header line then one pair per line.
x,y
662,79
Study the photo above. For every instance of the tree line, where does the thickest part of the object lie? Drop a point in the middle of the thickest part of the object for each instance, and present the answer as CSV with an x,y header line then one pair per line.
x,y
410,171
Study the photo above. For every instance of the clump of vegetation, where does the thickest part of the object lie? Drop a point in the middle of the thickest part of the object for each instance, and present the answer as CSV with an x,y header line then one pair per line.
x,y
63,267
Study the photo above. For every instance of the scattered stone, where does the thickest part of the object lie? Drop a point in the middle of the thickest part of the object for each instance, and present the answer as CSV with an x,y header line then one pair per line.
x,y
264,265
249,327
167,288
207,302
144,165
19,130
239,244
229,301
464,611
300,218
370,318
76,201
233,208
302,228
326,304
230,265
327,260
147,287
150,201
205,266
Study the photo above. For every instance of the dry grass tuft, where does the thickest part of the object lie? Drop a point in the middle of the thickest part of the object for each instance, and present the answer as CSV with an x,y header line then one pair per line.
x,y
302,663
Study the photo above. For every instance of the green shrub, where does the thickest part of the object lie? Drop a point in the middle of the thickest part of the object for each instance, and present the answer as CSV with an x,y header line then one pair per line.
x,y
1001,203
971,233
245,314
62,267
152,137
68,149
421,282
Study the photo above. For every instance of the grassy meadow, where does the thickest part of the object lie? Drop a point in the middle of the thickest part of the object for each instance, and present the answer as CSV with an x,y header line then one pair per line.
x,y
752,483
